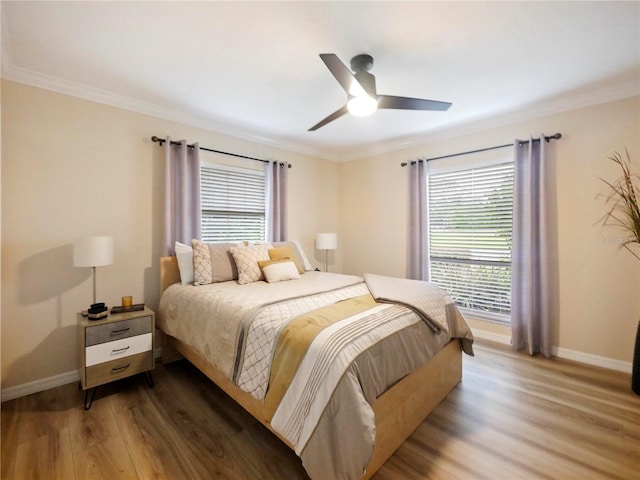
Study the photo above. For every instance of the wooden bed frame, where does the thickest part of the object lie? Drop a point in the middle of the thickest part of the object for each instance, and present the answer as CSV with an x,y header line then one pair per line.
x,y
398,412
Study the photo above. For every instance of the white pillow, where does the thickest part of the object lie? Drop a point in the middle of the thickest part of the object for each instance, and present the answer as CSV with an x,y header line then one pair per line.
x,y
280,271
184,255
305,261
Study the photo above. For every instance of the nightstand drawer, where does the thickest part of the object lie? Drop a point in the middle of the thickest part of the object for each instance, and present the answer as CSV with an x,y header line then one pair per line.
x,y
116,330
105,352
117,369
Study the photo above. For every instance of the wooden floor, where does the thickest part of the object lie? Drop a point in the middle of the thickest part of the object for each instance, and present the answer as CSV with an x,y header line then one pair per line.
x,y
512,417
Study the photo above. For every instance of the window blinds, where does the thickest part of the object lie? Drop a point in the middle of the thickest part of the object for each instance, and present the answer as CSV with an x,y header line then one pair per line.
x,y
470,232
233,204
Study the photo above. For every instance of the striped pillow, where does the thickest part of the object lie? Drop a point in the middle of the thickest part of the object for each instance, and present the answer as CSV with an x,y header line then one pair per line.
x,y
279,270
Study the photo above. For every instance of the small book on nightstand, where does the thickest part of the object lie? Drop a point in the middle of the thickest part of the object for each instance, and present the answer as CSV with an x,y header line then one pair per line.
x,y
133,308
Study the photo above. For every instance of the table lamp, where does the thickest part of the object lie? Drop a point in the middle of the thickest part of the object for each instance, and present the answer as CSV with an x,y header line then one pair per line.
x,y
93,252
326,242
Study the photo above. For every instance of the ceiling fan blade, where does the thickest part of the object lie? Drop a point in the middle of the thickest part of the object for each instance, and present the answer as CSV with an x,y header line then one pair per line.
x,y
406,103
342,74
330,118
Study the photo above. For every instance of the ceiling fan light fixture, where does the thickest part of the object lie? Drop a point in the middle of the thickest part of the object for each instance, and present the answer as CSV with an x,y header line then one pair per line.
x,y
360,87
362,105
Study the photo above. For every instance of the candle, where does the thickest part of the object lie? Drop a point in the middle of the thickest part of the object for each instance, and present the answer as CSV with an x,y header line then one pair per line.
x,y
127,301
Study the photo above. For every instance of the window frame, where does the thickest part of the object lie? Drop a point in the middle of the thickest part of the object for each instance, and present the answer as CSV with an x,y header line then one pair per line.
x,y
239,213
461,165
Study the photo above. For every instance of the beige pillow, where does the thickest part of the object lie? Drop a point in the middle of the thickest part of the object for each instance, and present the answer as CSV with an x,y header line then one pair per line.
x,y
212,262
201,263
223,268
286,251
247,258
279,270
300,256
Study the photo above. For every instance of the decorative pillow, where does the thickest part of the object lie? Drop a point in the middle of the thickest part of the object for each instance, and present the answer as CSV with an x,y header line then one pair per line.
x,y
247,259
223,268
184,255
299,254
286,251
201,263
279,270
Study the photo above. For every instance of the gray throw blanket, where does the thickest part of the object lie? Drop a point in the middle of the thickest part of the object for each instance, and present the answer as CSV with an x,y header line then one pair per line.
x,y
426,299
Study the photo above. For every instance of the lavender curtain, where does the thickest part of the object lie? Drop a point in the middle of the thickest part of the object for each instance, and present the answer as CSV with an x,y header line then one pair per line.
x,y
182,194
276,192
418,222
530,269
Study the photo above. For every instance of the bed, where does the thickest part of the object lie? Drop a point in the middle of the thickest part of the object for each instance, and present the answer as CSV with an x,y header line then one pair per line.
x,y
400,400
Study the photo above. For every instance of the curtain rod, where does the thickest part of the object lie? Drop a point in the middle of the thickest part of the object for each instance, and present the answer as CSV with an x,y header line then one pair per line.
x,y
162,140
555,136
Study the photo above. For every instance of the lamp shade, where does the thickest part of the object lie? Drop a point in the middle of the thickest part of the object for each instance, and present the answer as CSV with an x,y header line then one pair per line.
x,y
327,241
92,251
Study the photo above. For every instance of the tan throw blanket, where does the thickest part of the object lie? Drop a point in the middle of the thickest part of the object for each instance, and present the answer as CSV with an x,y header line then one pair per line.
x,y
295,339
261,328
331,353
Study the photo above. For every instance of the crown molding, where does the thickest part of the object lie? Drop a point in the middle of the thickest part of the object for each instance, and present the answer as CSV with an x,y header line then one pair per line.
x,y
18,74
67,87
494,120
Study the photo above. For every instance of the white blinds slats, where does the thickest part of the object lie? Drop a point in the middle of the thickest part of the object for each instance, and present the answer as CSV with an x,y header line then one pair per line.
x,y
233,204
470,232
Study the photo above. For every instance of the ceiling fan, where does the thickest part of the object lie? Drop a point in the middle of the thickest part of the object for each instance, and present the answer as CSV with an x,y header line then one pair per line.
x,y
361,90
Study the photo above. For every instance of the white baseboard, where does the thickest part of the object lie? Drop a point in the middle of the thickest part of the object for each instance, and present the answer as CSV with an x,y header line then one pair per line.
x,y
47,383
595,360
492,337
574,355
39,385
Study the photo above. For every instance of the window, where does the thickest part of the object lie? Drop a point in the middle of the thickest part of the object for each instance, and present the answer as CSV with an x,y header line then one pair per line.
x,y
233,203
470,233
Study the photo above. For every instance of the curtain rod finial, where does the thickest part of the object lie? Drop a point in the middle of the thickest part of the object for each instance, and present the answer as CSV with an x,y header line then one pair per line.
x,y
555,136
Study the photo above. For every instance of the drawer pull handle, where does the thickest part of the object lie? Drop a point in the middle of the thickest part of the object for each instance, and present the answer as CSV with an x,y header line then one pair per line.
x,y
120,350
119,332
119,369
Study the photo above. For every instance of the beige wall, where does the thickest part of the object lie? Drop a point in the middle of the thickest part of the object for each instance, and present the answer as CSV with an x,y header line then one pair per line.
x,y
597,296
72,167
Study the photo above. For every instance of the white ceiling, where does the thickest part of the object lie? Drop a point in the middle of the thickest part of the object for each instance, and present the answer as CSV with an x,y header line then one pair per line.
x,y
251,69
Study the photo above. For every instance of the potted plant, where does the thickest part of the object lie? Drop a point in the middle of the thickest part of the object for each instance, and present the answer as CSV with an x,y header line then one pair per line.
x,y
623,199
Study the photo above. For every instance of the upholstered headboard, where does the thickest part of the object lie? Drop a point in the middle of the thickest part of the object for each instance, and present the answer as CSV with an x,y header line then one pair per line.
x,y
169,273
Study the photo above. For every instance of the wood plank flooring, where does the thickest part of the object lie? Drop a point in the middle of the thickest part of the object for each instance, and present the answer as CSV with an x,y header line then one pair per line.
x,y
512,417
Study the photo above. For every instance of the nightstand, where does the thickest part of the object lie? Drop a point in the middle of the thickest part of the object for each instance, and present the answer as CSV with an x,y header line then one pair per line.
x,y
115,347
